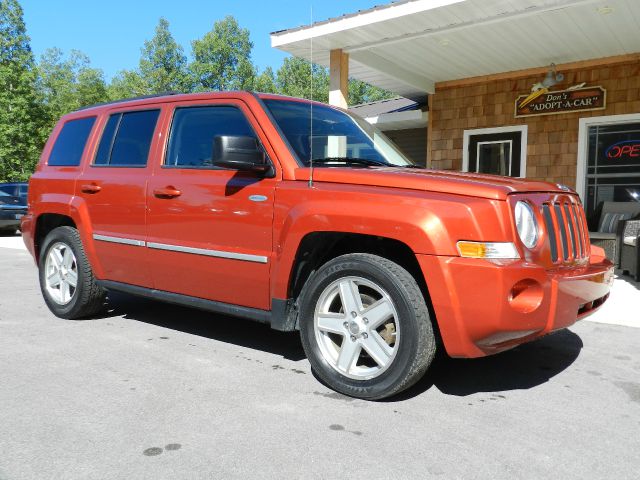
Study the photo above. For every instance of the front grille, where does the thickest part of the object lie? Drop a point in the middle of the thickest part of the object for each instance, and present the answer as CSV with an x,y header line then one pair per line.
x,y
566,228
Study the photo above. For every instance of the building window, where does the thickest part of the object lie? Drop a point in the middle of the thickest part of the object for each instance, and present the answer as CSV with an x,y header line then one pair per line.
x,y
494,157
497,151
613,165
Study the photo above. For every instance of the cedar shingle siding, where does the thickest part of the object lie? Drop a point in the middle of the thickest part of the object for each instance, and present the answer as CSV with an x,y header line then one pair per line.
x,y
552,140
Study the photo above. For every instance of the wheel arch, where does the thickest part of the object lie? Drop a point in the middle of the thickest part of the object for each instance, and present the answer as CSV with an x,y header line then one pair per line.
x,y
45,223
317,248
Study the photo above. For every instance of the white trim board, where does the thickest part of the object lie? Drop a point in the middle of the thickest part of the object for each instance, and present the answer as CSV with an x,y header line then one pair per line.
x,y
400,120
583,143
523,129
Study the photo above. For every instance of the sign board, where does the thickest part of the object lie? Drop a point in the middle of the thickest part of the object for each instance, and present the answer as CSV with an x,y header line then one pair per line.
x,y
624,150
544,102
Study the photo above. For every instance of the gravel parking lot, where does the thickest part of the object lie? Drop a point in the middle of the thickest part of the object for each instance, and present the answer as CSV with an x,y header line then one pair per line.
x,y
156,391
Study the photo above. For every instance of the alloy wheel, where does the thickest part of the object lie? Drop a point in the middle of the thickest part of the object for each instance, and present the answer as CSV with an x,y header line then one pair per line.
x,y
356,327
61,273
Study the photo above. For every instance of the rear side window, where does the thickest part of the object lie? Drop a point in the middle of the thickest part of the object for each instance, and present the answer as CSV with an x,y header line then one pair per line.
x,y
126,139
67,151
193,130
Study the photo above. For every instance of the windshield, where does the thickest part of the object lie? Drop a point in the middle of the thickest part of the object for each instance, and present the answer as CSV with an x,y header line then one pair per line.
x,y
329,136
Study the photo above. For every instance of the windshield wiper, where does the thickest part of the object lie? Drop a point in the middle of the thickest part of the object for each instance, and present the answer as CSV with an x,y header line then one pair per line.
x,y
351,161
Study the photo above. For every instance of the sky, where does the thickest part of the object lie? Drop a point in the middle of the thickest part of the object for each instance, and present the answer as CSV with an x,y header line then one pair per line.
x,y
112,33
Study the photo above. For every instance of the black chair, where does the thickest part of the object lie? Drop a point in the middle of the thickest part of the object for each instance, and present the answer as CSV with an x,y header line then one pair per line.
x,y
611,226
629,245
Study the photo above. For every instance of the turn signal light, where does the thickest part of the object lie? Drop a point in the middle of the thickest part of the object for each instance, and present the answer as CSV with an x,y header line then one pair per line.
x,y
487,250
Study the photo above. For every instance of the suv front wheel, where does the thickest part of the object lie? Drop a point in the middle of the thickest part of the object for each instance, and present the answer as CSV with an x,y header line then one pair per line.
x,y
66,279
365,326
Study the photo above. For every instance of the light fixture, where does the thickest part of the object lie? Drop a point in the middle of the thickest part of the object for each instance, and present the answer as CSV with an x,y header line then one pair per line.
x,y
443,42
605,10
552,77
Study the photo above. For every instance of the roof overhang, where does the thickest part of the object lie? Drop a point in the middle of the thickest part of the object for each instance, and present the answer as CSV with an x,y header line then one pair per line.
x,y
400,120
409,46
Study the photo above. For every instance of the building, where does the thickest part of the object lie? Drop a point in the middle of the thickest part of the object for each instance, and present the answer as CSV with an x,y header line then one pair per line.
x,y
543,89
403,120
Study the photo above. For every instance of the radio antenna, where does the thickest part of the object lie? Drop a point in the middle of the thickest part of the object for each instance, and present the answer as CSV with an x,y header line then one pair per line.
x,y
311,104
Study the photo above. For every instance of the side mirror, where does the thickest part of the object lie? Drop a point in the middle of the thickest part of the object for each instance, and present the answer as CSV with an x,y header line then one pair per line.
x,y
240,153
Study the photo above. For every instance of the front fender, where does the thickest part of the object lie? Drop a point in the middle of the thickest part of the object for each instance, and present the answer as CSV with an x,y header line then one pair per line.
x,y
428,223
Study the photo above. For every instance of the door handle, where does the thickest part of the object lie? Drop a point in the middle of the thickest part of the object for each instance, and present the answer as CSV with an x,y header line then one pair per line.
x,y
90,188
167,192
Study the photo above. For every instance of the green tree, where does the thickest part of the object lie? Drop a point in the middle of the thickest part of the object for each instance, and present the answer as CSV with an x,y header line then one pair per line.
x,y
294,78
91,87
126,84
266,82
163,63
21,119
362,92
222,58
66,84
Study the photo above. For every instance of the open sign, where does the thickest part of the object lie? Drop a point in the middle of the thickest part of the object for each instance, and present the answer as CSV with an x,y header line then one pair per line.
x,y
626,148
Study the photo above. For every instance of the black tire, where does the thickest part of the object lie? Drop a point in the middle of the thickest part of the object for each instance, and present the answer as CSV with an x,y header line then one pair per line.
x,y
89,298
416,347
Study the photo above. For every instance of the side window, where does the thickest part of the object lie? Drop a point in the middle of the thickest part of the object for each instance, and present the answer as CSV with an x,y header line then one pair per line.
x,y
67,151
126,139
193,130
106,142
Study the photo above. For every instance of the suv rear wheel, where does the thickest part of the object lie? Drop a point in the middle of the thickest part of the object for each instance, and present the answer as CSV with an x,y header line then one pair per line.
x,y
365,326
66,279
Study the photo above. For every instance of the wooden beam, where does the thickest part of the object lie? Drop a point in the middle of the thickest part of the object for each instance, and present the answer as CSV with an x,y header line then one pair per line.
x,y
338,78
428,161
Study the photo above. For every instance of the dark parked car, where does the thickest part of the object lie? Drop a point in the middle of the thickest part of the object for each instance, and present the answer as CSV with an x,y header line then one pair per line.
x,y
12,209
15,189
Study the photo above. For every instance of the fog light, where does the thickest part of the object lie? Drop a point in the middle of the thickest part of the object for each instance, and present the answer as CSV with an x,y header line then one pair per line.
x,y
526,296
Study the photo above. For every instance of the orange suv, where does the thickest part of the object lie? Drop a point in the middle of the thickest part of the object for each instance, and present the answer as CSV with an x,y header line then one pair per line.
x,y
305,217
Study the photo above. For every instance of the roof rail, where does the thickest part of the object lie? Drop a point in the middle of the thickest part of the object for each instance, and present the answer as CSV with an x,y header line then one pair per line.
x,y
142,97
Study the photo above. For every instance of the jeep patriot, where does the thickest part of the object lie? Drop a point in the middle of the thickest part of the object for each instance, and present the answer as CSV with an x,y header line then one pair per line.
x,y
305,217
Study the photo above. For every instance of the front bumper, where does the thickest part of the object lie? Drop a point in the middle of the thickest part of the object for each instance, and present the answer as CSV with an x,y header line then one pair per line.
x,y
483,308
10,218
27,228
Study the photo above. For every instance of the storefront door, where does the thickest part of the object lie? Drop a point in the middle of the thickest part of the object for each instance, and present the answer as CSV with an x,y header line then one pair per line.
x,y
612,165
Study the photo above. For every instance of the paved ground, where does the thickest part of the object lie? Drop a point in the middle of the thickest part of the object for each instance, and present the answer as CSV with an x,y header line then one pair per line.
x,y
153,391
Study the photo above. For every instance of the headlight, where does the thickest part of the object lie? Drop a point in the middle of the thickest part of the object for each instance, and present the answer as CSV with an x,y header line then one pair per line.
x,y
526,224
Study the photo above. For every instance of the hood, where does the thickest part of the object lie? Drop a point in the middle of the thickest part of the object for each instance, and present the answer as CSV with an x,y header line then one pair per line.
x,y
458,183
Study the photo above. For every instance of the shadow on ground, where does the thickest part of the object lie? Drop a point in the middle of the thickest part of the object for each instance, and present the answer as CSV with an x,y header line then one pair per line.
x,y
522,368
236,331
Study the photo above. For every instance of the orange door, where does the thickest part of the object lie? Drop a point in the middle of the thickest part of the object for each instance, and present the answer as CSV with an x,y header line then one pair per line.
x,y
209,230
113,187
